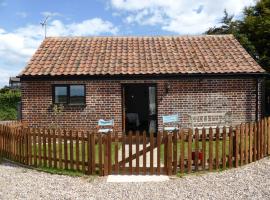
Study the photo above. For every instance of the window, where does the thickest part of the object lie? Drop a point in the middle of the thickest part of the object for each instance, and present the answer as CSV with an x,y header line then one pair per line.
x,y
60,94
77,94
69,94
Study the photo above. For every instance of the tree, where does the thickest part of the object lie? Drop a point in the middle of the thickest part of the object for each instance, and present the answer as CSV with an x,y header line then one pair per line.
x,y
256,26
228,26
252,31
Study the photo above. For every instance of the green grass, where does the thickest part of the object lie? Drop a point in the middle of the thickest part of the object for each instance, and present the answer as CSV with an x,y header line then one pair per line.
x,y
200,149
80,147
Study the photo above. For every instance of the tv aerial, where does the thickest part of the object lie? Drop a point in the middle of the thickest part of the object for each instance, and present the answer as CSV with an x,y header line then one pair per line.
x,y
44,25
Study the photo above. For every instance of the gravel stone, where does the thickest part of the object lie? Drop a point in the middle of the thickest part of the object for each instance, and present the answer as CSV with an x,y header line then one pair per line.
x,y
247,182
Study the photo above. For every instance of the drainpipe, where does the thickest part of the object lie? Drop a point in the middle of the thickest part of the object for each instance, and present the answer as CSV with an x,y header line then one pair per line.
x,y
257,96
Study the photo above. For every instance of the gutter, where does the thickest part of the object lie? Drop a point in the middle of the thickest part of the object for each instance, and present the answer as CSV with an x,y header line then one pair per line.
x,y
143,76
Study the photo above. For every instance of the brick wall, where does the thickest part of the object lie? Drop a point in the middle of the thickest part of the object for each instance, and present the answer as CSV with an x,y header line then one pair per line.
x,y
103,100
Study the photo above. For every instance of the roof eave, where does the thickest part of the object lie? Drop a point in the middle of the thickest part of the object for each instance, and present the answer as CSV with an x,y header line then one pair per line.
x,y
144,76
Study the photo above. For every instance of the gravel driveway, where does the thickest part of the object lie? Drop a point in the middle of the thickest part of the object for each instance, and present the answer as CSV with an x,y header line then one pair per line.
x,y
248,182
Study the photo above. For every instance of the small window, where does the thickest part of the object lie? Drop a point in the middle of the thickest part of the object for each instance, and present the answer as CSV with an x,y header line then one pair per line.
x,y
77,94
69,94
61,94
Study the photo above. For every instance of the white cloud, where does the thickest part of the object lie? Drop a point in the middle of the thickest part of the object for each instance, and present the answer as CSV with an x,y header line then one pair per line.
x,y
19,45
179,16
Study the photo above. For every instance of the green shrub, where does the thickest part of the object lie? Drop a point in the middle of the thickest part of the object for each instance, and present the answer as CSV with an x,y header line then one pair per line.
x,y
8,104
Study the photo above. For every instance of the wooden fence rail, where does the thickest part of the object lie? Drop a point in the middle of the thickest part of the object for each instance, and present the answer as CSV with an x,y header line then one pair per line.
x,y
137,153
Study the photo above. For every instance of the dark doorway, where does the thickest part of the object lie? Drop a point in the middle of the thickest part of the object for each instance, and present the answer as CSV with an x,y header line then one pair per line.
x,y
139,107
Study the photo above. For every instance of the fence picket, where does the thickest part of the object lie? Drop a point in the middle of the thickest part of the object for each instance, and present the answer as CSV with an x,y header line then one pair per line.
x,y
224,155
93,151
49,148
268,136
246,143
130,151
259,140
158,152
100,154
250,149
164,141
54,149
182,151
137,152
29,134
89,152
265,137
60,147
116,169
262,138
71,150
82,150
189,150
255,138
110,153
210,149
236,147
230,147
65,150
217,149
203,148
124,153
151,153
196,149
44,148
35,146
144,152
169,154
77,148
105,140
242,129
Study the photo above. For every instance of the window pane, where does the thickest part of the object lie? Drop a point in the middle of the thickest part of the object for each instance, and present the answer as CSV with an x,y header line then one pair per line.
x,y
60,94
77,94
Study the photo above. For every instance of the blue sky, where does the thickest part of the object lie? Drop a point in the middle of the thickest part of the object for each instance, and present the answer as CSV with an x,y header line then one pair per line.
x,y
21,32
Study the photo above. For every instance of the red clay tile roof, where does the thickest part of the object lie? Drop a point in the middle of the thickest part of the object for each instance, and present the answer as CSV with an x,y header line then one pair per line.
x,y
140,55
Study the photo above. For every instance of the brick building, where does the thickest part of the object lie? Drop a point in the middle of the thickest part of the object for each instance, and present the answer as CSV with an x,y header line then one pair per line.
x,y
141,78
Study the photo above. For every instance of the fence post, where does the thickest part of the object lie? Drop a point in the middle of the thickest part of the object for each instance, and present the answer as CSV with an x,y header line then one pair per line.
x,y
224,157
189,150
217,149
105,154
230,147
169,154
196,149
251,150
182,151
236,146
210,149
268,135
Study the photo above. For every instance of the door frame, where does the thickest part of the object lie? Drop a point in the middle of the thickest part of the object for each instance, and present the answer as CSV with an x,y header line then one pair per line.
x,y
123,85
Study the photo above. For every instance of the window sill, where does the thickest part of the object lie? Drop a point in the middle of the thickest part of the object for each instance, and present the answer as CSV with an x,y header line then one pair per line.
x,y
75,104
69,104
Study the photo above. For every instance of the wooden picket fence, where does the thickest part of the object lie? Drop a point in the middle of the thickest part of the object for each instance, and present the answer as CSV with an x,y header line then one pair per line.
x,y
136,153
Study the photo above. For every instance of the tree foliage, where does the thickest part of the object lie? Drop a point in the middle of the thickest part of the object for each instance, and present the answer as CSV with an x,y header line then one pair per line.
x,y
252,31
8,103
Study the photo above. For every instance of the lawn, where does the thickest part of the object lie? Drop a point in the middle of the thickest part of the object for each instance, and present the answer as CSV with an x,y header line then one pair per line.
x,y
200,148
75,153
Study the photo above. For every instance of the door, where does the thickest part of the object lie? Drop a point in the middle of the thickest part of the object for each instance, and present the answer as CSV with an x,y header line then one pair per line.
x,y
139,108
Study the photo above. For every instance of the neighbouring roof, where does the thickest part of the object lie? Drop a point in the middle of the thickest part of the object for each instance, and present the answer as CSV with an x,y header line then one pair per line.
x,y
204,54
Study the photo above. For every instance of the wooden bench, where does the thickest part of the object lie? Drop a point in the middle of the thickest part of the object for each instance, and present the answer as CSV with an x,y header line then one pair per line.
x,y
207,120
